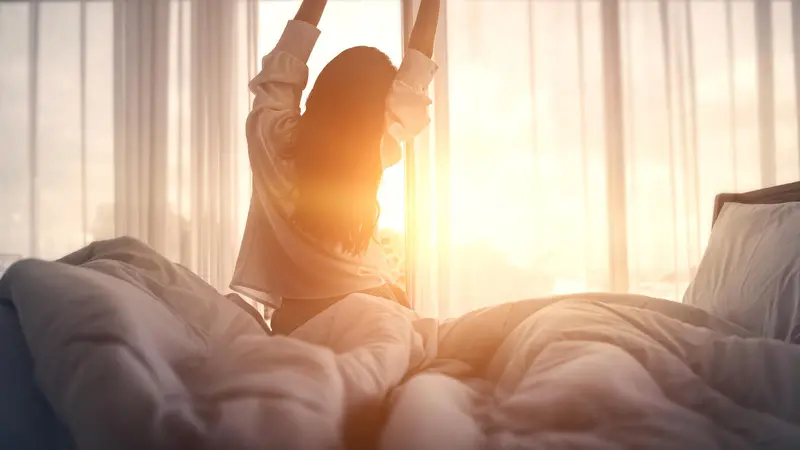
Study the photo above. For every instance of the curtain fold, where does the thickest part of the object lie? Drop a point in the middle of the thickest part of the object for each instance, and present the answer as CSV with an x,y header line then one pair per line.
x,y
141,117
614,118
666,51
33,121
766,91
180,83
429,279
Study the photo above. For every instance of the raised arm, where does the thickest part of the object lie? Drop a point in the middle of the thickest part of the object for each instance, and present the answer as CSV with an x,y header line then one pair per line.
x,y
423,34
408,101
279,85
278,89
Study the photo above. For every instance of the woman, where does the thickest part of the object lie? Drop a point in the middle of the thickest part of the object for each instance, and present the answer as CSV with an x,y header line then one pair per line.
x,y
308,240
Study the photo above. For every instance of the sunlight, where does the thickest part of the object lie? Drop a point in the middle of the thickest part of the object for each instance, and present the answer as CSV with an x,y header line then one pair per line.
x,y
391,197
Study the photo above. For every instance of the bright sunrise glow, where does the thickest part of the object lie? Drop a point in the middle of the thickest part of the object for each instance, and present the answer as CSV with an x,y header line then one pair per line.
x,y
524,184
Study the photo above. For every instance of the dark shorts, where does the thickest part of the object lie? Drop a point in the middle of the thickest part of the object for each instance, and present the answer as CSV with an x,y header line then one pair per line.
x,y
294,313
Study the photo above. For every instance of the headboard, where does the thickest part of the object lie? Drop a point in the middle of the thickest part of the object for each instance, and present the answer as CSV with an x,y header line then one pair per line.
x,y
782,193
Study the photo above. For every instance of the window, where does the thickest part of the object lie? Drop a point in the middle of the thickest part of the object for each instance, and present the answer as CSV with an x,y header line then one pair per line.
x,y
529,212
56,165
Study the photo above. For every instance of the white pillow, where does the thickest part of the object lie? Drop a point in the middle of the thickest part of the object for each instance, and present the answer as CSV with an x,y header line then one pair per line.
x,y
750,273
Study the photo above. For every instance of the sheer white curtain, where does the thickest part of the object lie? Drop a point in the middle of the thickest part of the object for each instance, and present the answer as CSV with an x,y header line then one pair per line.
x,y
182,178
56,161
578,145
125,117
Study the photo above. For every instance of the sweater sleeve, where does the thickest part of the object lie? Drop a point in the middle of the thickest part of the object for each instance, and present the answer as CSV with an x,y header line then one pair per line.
x,y
408,101
279,86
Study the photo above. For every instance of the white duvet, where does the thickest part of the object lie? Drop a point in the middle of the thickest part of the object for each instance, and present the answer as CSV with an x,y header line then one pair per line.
x,y
134,352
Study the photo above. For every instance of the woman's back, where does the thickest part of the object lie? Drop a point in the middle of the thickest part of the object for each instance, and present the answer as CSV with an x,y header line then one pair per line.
x,y
300,242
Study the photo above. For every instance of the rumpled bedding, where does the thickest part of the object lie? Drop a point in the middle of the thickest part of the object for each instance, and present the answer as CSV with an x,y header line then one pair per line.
x,y
135,352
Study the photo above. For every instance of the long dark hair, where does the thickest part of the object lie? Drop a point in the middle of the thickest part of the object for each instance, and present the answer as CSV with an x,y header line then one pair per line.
x,y
336,150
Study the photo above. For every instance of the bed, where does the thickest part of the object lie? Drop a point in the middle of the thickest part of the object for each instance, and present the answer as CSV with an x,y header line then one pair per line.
x,y
134,352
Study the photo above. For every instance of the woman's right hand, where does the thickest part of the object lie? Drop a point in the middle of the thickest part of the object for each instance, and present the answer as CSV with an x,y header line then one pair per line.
x,y
311,11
